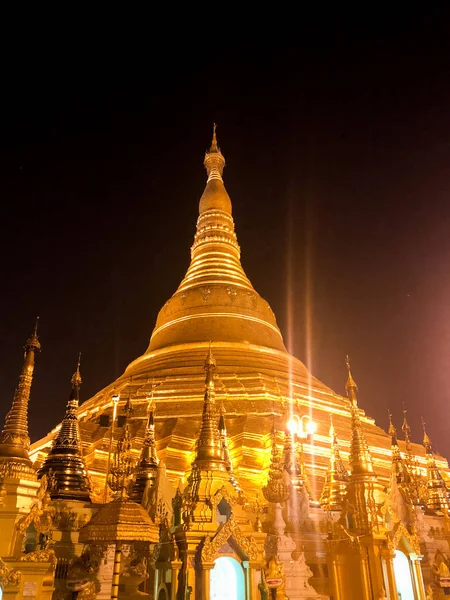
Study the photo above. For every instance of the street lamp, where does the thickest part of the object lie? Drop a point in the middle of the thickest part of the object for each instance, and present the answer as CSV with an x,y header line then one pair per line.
x,y
303,427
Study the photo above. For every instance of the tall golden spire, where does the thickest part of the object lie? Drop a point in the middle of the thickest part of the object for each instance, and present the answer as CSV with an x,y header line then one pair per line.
x,y
65,460
351,386
148,463
336,480
360,457
216,300
437,495
209,455
209,471
14,438
399,467
363,490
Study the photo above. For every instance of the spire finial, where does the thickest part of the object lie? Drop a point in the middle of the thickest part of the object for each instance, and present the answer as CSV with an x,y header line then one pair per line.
x,y
426,438
214,163
336,479
14,438
76,377
392,430
214,145
33,341
209,447
350,386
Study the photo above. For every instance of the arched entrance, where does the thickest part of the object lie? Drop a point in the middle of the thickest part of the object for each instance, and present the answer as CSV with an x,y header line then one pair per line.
x,y
227,580
403,576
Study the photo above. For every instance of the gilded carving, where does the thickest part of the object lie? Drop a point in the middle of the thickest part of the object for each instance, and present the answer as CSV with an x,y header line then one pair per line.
x,y
9,577
229,529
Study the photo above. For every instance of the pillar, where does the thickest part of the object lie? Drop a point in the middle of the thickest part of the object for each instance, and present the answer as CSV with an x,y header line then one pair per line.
x,y
365,574
388,558
206,579
418,578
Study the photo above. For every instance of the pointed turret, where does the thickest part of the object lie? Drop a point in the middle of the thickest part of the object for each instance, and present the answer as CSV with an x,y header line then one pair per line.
x,y
209,455
363,491
147,468
277,489
437,496
209,470
336,479
399,465
14,438
216,300
65,461
360,458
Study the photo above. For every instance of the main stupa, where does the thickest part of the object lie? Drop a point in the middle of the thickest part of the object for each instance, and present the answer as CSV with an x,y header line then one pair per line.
x,y
258,383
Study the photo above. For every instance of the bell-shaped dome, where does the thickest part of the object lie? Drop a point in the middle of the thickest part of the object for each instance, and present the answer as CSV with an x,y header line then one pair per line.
x,y
215,301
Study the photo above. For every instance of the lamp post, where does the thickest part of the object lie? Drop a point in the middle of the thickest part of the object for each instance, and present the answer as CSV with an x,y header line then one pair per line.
x,y
302,427
115,400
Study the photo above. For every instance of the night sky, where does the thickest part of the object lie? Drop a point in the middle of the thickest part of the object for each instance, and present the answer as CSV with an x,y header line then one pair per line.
x,y
338,154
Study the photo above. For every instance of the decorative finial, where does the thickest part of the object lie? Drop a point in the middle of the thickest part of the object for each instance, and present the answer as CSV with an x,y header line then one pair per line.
x,y
76,377
336,479
210,366
214,160
392,431
33,341
214,146
350,386
426,439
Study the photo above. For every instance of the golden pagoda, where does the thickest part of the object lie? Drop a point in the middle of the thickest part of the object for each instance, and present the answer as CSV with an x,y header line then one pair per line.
x,y
230,476
65,461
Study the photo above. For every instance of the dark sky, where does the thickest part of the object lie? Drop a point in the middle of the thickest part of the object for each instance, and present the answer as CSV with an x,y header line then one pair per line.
x,y
338,151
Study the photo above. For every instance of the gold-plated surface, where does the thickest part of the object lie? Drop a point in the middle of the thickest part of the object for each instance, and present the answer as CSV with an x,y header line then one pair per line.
x,y
215,301
437,496
363,488
14,438
65,462
278,488
147,468
118,521
335,486
257,382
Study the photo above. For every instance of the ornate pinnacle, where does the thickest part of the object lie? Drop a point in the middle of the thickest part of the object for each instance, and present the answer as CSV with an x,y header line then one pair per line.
x,y
214,161
360,457
335,486
407,433
437,495
276,490
426,440
65,460
209,446
14,439
148,463
76,377
351,386
392,431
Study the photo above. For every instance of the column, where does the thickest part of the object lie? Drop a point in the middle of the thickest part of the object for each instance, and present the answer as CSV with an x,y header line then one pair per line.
x,y
388,558
206,579
418,579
